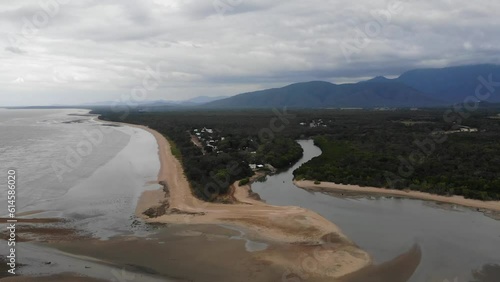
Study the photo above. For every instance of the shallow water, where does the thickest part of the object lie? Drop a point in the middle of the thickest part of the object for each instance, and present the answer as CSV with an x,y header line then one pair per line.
x,y
454,242
250,245
43,261
72,166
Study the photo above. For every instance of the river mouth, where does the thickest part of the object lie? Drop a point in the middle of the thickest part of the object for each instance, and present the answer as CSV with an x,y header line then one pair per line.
x,y
455,243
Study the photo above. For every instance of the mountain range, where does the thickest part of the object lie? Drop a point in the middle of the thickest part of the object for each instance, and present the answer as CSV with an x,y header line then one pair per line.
x,y
415,88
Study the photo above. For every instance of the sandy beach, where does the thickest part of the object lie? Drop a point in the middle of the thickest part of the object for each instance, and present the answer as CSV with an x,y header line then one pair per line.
x,y
290,225
454,200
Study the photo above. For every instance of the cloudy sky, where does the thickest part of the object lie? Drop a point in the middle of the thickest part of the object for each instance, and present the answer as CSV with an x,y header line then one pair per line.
x,y
64,52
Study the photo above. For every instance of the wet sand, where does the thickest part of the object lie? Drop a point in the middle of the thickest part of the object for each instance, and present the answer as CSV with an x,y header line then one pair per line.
x,y
184,253
65,277
213,253
455,200
37,233
399,269
33,220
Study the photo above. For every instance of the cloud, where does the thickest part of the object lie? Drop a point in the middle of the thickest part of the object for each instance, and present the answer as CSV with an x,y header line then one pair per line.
x,y
15,50
94,50
18,80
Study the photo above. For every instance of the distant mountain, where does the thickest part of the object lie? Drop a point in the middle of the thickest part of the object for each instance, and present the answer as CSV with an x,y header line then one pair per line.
x,y
204,99
320,94
156,103
118,103
416,88
379,79
451,84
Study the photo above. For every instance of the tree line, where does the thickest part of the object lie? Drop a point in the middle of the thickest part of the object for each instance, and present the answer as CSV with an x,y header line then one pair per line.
x,y
359,147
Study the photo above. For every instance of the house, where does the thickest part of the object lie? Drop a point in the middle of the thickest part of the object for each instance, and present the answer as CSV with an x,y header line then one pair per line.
x,y
207,130
467,129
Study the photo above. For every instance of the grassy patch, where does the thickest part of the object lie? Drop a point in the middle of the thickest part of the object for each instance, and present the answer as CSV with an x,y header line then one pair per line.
x,y
175,150
244,181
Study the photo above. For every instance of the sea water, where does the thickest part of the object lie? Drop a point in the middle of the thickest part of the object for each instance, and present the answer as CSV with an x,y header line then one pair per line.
x,y
71,165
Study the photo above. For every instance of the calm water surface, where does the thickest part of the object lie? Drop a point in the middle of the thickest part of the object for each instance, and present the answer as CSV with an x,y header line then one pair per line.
x,y
72,166
454,242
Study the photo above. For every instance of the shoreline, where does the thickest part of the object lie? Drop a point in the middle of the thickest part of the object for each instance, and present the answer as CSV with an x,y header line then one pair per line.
x,y
454,200
300,229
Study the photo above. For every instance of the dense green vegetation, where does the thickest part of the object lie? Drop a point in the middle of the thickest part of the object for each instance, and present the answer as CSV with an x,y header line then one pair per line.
x,y
237,142
279,152
398,149
244,181
465,164
342,162
320,94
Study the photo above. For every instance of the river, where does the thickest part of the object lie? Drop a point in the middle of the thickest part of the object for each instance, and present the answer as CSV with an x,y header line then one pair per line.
x,y
455,241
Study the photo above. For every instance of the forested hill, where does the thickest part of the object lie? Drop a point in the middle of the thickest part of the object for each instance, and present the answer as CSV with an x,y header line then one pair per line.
x,y
453,84
320,94
415,88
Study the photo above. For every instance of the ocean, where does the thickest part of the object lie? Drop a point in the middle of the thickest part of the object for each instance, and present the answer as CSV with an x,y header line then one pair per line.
x,y
71,165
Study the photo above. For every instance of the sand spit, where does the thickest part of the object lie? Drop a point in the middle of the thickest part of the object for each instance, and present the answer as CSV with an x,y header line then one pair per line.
x,y
294,226
399,269
454,200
